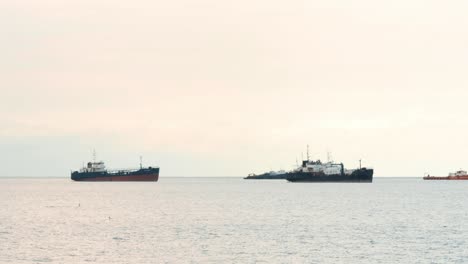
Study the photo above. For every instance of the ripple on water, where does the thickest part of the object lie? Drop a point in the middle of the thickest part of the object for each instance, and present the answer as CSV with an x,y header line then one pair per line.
x,y
233,221
43,259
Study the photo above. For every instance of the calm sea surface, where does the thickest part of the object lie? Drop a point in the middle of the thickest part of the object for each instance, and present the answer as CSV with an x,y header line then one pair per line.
x,y
230,220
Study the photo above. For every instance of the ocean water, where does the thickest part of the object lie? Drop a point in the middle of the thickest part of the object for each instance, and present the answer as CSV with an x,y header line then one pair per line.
x,y
230,220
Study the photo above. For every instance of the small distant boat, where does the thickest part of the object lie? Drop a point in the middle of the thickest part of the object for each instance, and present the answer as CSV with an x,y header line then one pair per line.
x,y
459,175
96,171
272,175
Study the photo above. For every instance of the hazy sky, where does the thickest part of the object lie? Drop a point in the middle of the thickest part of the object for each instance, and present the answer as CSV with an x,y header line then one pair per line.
x,y
225,88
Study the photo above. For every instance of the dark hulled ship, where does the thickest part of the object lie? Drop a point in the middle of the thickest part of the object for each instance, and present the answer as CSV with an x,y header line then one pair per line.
x,y
96,171
316,171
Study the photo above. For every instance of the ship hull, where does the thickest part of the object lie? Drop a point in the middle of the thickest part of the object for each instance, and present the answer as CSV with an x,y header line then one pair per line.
x,y
361,175
151,174
266,177
449,178
147,177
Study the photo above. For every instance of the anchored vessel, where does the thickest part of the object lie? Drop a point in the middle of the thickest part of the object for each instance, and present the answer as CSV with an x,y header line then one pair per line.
x,y
96,171
316,171
459,175
272,175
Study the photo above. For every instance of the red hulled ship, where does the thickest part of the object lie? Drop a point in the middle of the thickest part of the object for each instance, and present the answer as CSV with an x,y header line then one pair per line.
x,y
459,175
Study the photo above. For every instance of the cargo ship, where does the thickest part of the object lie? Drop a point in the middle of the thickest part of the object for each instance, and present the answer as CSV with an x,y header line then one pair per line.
x,y
459,175
272,175
96,171
316,171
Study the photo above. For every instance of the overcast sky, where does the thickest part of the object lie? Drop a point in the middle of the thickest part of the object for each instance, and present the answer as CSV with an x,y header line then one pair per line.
x,y
225,88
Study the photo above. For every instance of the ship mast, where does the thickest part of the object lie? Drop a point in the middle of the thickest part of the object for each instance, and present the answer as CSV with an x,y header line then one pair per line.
x,y
141,162
94,156
329,157
308,152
